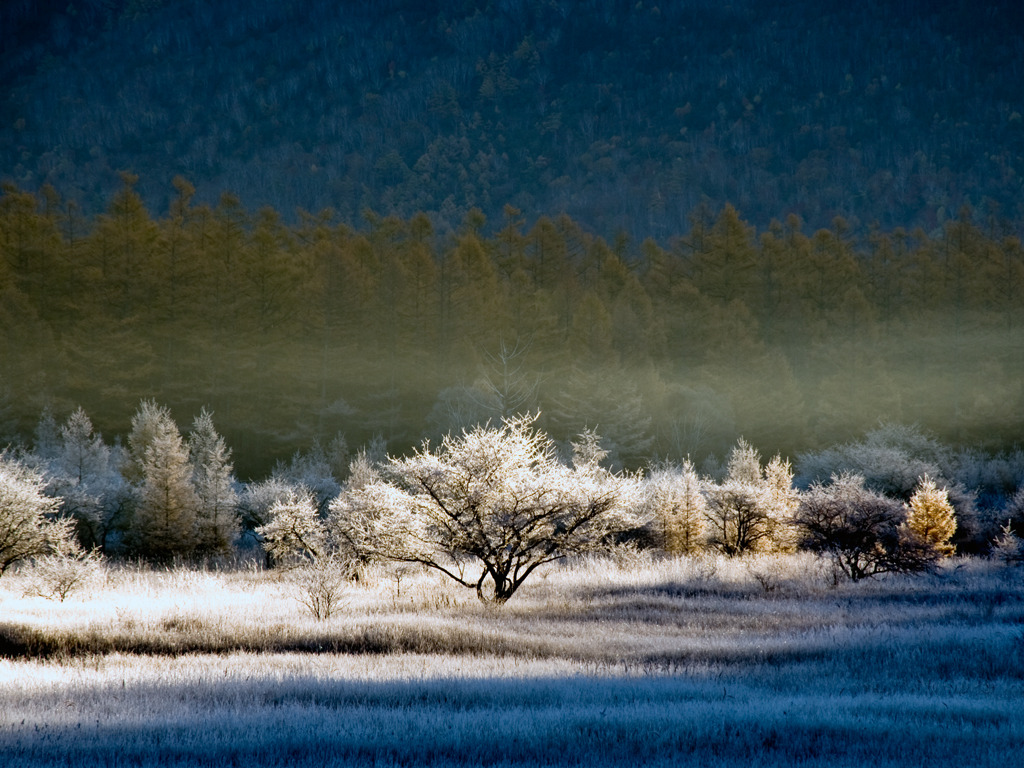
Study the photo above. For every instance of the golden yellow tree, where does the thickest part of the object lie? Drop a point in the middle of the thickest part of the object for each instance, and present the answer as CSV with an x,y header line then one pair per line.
x,y
932,517
676,504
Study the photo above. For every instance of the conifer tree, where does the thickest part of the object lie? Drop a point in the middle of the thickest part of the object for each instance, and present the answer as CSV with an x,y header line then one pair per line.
x,y
145,424
216,499
163,525
727,269
782,501
83,454
677,505
85,478
46,443
931,516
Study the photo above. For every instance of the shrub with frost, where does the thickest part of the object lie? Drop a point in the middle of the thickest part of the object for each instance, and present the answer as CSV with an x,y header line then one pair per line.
x,y
66,567
321,585
25,511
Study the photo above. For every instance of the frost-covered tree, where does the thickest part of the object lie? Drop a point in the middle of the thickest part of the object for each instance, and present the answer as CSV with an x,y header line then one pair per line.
x,y
46,438
675,502
744,464
163,525
25,512
782,501
84,475
362,471
149,419
214,483
316,471
737,518
1008,546
751,509
890,458
931,516
83,454
1014,511
257,499
294,532
487,508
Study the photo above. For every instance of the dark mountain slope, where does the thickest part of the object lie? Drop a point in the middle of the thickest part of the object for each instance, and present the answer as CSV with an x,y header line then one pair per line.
x,y
622,114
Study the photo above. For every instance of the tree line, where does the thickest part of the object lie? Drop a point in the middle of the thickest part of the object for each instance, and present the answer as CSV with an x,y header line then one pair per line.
x,y
387,327
485,508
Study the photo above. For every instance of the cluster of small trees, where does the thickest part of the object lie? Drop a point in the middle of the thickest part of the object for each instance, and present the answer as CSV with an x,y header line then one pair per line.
x,y
756,508
486,507
163,495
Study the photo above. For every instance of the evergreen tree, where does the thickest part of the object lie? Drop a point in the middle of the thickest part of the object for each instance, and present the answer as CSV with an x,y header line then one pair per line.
x,y
83,453
157,466
165,519
147,421
782,501
726,267
86,479
214,483
46,444
931,516
676,503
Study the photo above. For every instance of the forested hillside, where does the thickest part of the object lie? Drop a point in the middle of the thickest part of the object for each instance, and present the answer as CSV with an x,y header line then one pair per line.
x,y
386,326
622,114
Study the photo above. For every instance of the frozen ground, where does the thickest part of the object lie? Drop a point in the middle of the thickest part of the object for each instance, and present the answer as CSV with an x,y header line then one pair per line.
x,y
710,663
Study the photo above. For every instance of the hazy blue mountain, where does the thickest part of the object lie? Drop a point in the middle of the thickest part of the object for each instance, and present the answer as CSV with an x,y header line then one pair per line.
x,y
625,115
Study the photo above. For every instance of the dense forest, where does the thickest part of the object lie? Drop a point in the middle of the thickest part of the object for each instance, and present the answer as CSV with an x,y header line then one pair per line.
x,y
675,223
292,333
621,114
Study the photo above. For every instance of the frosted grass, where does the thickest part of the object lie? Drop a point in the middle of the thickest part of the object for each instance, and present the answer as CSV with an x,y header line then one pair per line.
x,y
597,663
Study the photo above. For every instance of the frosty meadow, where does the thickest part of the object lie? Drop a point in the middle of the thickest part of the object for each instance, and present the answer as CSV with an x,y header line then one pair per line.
x,y
494,601
706,660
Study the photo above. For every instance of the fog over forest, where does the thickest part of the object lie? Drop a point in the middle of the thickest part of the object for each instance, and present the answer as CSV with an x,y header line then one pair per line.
x,y
675,223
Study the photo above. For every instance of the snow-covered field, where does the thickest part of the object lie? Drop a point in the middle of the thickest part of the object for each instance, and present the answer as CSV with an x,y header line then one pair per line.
x,y
691,661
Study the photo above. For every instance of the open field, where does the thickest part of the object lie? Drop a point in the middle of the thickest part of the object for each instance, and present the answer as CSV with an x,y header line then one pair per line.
x,y
709,662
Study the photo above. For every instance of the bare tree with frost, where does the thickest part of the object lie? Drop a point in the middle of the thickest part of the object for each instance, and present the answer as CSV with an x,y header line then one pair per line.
x,y
860,530
487,508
